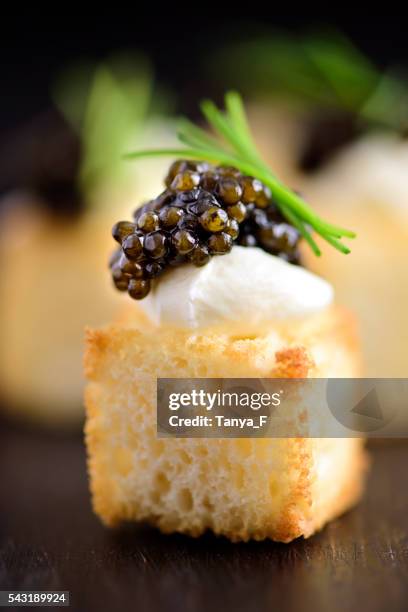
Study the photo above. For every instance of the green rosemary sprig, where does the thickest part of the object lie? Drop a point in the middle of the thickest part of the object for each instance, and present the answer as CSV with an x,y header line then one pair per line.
x,y
236,147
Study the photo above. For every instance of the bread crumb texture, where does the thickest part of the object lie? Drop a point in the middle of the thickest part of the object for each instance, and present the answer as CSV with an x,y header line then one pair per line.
x,y
241,488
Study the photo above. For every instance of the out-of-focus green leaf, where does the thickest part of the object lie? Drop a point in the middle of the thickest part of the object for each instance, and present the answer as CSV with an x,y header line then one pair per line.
x,y
321,70
109,105
70,92
117,105
347,72
388,103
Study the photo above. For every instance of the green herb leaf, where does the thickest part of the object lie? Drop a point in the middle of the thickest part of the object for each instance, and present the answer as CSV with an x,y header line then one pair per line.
x,y
109,106
237,148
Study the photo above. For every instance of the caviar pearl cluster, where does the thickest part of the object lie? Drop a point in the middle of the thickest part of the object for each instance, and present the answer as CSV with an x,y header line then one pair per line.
x,y
203,212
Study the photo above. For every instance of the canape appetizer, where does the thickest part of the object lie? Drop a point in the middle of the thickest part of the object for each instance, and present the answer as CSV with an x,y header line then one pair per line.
x,y
214,264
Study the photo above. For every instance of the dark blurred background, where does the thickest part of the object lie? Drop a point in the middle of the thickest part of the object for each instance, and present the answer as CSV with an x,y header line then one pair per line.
x,y
36,47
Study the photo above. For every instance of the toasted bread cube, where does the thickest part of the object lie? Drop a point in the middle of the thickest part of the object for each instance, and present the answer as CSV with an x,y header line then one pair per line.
x,y
241,488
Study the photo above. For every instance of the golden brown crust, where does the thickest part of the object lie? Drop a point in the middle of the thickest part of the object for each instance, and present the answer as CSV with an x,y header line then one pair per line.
x,y
293,363
259,488
293,356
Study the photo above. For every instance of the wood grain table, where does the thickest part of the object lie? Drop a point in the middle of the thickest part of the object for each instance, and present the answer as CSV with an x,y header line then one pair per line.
x,y
49,539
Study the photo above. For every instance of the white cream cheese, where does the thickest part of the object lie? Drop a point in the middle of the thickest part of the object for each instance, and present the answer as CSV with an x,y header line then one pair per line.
x,y
247,286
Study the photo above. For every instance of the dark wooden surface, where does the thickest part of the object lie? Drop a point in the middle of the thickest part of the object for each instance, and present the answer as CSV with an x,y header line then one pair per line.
x,y
49,539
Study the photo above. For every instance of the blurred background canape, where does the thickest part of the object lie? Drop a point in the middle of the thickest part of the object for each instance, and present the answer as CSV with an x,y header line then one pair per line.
x,y
367,184
68,185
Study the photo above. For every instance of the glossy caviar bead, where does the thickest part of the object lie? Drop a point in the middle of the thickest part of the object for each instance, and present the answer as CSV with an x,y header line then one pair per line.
x,y
214,219
279,237
260,218
170,216
185,197
237,211
209,180
130,268
190,221
251,188
263,198
218,244
185,181
166,198
121,229
148,221
229,171
155,245
176,259
229,190
200,166
287,236
138,212
274,215
293,258
176,167
132,246
248,240
120,280
153,268
184,241
138,289
204,203
148,207
232,228
200,255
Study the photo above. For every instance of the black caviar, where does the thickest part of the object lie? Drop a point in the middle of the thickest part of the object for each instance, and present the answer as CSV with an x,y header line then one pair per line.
x,y
203,212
